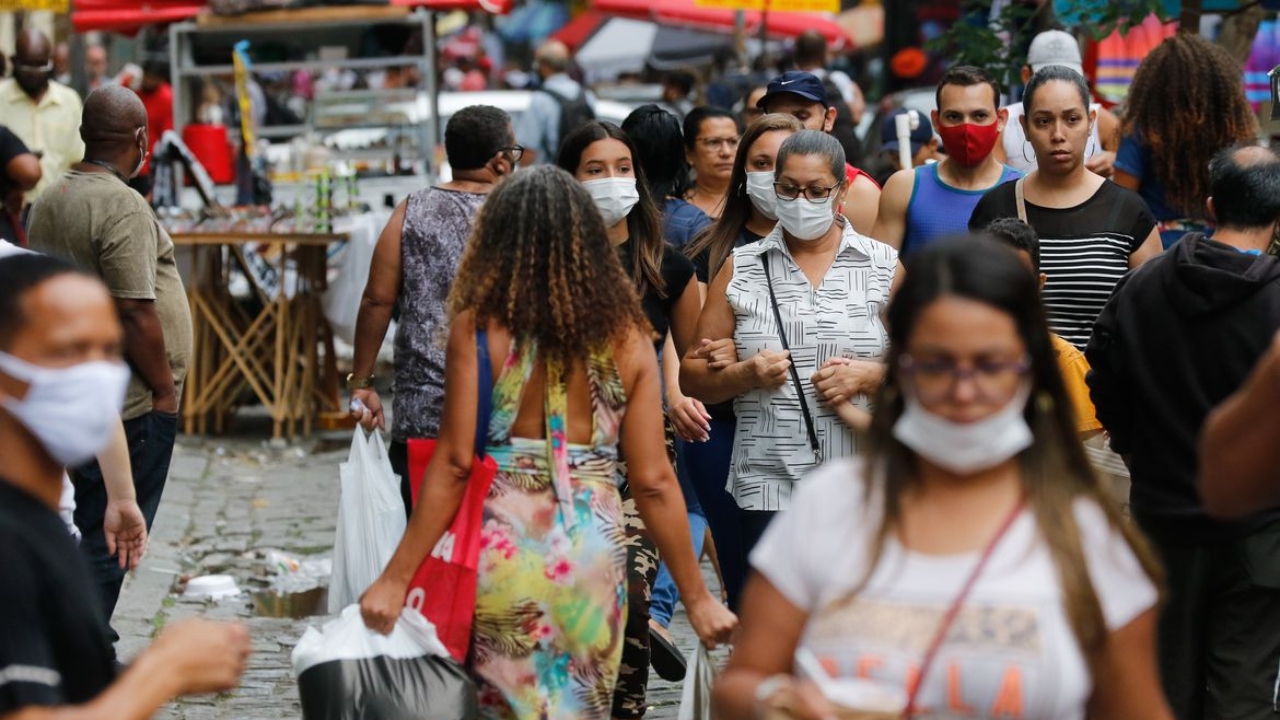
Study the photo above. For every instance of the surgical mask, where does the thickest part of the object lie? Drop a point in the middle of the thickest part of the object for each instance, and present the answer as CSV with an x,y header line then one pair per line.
x,y
760,190
804,220
72,411
965,448
614,197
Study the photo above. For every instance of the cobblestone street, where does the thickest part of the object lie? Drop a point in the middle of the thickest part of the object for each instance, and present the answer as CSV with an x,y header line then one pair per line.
x,y
227,503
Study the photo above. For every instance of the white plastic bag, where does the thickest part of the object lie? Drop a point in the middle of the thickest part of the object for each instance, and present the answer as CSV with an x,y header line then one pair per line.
x,y
695,700
370,519
346,671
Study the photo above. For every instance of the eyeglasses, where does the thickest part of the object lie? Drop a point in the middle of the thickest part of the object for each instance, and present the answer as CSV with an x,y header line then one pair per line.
x,y
515,151
789,192
935,380
717,143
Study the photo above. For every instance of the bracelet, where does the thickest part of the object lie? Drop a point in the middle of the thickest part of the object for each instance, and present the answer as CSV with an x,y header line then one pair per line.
x,y
359,383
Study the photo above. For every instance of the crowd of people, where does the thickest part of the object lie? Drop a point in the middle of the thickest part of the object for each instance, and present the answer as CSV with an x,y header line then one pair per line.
x,y
878,411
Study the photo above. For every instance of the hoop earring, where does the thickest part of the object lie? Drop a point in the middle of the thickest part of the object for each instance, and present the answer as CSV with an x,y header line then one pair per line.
x,y
1088,143
1044,401
1026,144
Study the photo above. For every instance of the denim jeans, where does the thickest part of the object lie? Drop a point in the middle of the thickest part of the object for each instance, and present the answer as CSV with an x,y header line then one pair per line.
x,y
150,438
708,472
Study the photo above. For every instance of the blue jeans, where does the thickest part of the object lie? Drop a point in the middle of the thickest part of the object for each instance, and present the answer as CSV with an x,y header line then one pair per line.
x,y
150,439
665,594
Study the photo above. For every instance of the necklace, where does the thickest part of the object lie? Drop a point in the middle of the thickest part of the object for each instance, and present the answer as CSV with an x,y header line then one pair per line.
x,y
108,166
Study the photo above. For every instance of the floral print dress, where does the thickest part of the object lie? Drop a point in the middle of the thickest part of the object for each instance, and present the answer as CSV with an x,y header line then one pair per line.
x,y
551,595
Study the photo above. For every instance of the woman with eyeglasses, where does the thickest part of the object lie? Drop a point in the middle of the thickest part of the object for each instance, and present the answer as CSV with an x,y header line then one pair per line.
x,y
602,157
970,564
791,333
710,141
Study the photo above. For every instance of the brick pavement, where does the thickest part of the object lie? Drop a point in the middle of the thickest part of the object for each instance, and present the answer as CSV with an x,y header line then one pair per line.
x,y
226,504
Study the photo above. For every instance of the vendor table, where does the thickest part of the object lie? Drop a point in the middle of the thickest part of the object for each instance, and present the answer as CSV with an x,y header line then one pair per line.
x,y
276,342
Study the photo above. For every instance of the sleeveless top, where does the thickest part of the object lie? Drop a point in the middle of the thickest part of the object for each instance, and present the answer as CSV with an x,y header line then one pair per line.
x,y
1017,151
842,317
937,210
553,459
437,224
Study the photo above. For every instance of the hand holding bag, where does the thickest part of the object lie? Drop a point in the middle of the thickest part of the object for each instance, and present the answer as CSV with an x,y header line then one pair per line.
x,y
370,520
444,588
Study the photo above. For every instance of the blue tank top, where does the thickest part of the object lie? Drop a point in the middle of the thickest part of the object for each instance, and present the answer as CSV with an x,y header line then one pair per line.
x,y
937,210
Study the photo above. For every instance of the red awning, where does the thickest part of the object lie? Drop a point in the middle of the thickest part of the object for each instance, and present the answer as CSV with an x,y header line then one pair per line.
x,y
685,13
579,29
494,7
128,15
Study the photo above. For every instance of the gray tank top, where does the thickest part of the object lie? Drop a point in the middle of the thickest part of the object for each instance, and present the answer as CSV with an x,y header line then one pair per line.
x,y
437,224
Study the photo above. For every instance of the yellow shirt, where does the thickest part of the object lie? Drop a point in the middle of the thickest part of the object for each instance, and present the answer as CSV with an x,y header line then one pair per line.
x,y
1074,366
51,127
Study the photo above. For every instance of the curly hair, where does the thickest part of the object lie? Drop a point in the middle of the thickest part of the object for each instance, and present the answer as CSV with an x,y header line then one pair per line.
x,y
539,263
1186,103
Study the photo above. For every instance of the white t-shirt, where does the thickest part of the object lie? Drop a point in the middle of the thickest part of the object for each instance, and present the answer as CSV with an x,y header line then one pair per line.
x,y
1011,651
1017,150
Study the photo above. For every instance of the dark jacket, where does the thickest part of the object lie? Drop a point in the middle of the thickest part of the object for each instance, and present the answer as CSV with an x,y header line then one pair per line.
x,y
1177,337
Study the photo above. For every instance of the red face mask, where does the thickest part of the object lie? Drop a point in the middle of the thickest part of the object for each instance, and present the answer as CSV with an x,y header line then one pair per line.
x,y
969,144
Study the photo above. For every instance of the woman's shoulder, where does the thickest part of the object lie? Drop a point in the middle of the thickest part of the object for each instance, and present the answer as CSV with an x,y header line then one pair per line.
x,y
882,255
837,487
1119,578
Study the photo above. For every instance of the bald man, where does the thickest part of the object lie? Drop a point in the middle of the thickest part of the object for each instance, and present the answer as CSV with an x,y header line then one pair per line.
x,y
43,113
557,108
92,217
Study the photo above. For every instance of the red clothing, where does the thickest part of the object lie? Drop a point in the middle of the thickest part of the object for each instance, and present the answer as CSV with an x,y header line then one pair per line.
x,y
159,105
851,173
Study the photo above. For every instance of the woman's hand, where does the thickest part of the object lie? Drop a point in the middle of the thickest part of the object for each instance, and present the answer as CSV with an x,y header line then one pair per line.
x,y
690,419
369,412
125,530
767,370
381,604
802,700
711,620
719,354
842,379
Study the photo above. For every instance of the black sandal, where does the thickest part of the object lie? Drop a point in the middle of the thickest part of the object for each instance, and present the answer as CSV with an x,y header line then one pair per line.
x,y
666,658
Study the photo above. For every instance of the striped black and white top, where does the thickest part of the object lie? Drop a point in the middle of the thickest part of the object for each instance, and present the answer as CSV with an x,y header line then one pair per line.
x,y
840,318
1084,250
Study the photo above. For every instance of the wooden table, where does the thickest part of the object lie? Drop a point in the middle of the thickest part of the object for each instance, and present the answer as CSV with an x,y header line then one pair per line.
x,y
277,344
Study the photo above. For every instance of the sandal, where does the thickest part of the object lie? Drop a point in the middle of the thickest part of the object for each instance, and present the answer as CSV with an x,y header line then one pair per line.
x,y
666,658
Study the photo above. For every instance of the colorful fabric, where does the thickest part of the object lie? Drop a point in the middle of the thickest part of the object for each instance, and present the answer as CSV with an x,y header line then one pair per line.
x,y
551,596
1119,55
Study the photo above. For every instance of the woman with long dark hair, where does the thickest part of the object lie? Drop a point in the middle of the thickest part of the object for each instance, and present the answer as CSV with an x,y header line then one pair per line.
x,y
659,143
574,377
971,563
602,157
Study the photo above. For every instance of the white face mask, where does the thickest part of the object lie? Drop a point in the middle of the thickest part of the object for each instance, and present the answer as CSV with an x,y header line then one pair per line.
x,y
614,197
72,411
965,448
760,190
804,220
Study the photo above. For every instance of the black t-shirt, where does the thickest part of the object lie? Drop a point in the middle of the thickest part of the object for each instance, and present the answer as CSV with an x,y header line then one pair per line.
x,y
1084,250
677,271
53,638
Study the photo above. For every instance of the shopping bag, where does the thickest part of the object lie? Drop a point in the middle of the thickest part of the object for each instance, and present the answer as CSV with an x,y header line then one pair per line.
x,y
370,519
346,671
444,587
695,699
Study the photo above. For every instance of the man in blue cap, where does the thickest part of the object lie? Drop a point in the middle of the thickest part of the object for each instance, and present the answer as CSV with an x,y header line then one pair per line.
x,y
924,146
804,97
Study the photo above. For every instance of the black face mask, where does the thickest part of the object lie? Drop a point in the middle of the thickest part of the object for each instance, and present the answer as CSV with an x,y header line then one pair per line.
x,y
32,82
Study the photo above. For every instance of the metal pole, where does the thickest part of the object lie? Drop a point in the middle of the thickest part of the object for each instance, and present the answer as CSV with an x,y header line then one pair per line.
x,y
428,65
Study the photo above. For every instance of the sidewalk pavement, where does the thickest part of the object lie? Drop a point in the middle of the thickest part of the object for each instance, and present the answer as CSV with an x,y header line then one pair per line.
x,y
229,501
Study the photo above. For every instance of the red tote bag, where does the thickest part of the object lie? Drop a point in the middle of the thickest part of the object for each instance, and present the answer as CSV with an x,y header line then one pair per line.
x,y
444,588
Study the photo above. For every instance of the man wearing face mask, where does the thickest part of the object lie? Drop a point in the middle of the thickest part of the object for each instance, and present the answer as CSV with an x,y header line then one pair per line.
x,y
804,97
93,218
934,201
413,266
1177,338
43,113
61,386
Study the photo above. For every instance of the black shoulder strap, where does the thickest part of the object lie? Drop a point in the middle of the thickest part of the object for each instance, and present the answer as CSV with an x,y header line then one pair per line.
x,y
795,376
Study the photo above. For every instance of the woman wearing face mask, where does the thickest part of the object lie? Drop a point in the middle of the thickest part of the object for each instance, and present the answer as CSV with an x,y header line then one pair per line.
x,y
603,159
748,216
1092,231
710,138
971,564
791,332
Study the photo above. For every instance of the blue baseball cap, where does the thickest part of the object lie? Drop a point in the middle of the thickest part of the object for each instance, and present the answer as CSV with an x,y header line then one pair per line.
x,y
796,82
919,137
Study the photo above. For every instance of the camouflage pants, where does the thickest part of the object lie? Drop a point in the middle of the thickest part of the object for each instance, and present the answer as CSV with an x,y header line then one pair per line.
x,y
642,569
